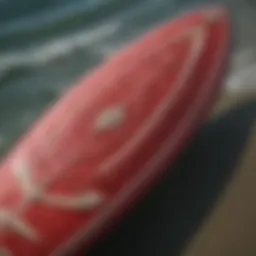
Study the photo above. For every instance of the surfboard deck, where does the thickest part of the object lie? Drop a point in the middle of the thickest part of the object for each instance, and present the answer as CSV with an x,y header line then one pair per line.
x,y
94,154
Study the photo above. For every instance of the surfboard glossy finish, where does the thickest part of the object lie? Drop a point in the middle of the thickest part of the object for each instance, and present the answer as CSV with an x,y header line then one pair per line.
x,y
111,136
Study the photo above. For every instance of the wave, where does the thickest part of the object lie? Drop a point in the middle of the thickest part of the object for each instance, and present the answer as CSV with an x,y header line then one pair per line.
x,y
48,16
15,62
59,21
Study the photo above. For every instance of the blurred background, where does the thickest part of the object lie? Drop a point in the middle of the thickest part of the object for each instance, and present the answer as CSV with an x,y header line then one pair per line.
x,y
46,45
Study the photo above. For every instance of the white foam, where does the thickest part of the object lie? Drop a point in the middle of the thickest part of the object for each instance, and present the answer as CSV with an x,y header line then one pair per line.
x,y
243,71
57,48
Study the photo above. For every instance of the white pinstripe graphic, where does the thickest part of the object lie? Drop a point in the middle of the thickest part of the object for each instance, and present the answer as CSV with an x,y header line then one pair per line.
x,y
91,199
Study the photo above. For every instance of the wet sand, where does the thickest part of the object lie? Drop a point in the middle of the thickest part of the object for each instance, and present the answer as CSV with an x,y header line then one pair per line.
x,y
230,228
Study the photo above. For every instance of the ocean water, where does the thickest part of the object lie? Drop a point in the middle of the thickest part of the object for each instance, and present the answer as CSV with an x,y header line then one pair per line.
x,y
47,45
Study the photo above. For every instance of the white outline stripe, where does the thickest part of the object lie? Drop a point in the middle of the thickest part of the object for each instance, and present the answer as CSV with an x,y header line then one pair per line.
x,y
86,233
196,47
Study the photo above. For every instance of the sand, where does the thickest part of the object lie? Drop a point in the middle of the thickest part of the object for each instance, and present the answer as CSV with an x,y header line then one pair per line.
x,y
230,228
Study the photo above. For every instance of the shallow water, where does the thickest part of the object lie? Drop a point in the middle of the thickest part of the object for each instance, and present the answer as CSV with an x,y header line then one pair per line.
x,y
46,45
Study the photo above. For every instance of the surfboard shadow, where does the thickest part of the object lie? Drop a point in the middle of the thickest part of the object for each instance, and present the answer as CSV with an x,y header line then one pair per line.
x,y
174,209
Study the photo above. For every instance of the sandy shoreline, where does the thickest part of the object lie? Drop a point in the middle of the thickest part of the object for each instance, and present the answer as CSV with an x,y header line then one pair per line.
x,y
230,228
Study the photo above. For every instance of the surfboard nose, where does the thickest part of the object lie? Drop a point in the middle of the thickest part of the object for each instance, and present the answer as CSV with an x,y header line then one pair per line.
x,y
209,13
216,12
219,20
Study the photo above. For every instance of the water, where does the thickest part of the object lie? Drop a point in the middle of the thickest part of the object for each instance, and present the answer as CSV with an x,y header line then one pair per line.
x,y
47,45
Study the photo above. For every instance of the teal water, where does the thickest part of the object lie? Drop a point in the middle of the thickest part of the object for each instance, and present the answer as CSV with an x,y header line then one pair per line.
x,y
47,45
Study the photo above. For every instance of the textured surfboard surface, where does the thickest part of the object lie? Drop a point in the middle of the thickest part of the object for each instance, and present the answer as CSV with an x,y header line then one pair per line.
x,y
87,160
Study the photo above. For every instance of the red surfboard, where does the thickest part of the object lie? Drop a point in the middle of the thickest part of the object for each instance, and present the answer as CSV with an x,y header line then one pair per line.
x,y
90,157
